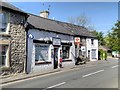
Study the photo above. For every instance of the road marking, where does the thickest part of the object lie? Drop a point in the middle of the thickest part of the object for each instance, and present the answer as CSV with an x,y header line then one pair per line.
x,y
57,85
93,73
115,66
19,81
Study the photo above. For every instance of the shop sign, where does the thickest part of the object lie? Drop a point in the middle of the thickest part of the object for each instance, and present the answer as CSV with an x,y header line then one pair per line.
x,y
77,40
56,41
30,36
82,48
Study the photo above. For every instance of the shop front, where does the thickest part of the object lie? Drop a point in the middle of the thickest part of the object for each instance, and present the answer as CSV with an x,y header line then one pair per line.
x,y
57,63
67,54
48,50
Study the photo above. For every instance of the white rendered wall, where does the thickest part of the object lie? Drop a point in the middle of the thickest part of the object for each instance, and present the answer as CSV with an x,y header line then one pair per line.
x,y
43,35
89,46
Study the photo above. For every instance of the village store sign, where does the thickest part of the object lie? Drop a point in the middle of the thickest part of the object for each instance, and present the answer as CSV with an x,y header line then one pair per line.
x,y
56,41
77,40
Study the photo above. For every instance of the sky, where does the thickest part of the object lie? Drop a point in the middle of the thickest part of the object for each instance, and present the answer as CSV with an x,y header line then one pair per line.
x,y
102,15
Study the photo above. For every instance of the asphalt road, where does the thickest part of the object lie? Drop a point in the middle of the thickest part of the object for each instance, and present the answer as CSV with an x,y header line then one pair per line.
x,y
104,75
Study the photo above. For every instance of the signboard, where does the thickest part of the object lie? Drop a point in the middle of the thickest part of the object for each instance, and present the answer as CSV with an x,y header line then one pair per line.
x,y
82,48
56,41
77,40
30,36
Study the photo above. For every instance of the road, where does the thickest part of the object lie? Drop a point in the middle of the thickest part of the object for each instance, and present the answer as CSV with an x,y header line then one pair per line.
x,y
104,75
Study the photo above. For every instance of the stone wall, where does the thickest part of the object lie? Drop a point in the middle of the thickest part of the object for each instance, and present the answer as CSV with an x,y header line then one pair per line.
x,y
17,37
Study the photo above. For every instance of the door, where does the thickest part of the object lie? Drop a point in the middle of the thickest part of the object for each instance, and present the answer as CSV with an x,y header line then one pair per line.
x,y
55,58
89,54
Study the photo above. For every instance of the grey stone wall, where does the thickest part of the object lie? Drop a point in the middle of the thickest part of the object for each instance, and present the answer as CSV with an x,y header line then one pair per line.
x,y
17,37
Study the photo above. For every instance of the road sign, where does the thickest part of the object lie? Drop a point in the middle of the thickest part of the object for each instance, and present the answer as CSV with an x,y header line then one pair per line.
x,y
77,40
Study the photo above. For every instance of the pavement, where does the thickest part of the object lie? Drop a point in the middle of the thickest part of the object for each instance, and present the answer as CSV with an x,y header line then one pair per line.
x,y
23,76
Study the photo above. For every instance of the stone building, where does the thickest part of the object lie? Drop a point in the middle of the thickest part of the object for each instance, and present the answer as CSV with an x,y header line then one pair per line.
x,y
12,39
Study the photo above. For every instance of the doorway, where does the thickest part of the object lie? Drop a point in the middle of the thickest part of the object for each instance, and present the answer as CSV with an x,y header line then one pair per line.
x,y
55,58
89,54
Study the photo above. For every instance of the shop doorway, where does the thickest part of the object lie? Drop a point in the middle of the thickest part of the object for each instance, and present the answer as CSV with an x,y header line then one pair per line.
x,y
55,58
89,54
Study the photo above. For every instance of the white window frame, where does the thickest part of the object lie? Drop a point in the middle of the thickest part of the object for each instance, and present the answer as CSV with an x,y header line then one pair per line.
x,y
93,50
7,25
68,52
47,51
6,42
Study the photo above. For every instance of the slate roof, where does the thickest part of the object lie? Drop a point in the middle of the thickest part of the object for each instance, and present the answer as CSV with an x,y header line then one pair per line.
x,y
11,7
58,26
77,30
46,24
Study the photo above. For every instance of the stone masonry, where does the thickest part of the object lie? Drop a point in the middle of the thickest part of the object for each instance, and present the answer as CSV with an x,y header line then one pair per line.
x,y
17,36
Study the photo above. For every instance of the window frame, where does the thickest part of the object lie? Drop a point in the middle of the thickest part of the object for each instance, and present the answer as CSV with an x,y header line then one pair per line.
x,y
92,41
7,23
93,53
66,52
6,43
42,61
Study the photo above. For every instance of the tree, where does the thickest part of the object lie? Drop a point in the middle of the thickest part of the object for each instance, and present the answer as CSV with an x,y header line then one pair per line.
x,y
81,20
99,36
113,38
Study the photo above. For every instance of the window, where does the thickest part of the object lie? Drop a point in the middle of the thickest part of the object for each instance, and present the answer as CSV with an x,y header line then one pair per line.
x,y
93,53
65,52
3,22
3,54
92,41
41,52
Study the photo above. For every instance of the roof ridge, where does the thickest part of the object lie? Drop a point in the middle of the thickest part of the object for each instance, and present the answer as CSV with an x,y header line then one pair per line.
x,y
56,20
11,6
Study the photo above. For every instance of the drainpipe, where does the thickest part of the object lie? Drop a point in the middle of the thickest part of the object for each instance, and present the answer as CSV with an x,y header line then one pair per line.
x,y
26,29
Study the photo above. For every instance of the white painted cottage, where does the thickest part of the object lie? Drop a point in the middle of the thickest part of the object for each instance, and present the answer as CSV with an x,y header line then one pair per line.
x,y
48,45
92,48
51,43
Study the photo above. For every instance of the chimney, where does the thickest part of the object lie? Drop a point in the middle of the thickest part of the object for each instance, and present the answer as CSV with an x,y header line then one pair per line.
x,y
44,14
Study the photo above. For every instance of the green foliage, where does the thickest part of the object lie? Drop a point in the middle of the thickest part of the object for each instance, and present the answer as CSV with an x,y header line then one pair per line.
x,y
103,54
113,38
99,36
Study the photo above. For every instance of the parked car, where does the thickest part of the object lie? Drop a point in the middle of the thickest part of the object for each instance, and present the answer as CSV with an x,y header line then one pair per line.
x,y
115,54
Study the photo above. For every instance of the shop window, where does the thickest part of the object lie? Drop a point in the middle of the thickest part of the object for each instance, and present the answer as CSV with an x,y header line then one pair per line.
x,y
41,53
4,55
3,22
93,53
65,52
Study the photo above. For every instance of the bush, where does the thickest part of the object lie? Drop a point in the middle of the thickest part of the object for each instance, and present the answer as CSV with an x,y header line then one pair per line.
x,y
103,54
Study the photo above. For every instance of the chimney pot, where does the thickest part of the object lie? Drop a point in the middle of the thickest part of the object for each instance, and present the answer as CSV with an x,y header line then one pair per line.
x,y
44,14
